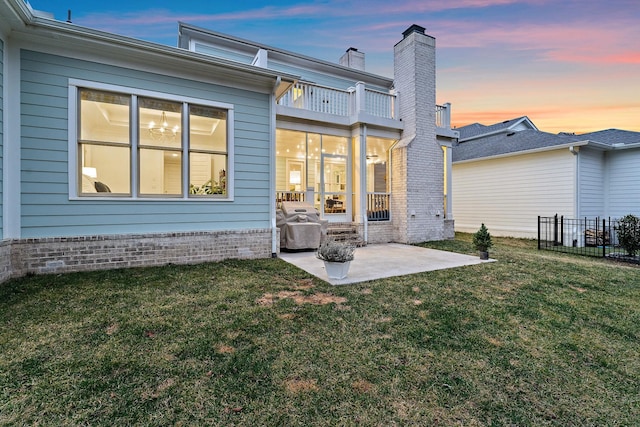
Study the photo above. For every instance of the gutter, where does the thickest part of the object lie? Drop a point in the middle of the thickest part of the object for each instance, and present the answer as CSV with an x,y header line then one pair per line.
x,y
535,150
87,34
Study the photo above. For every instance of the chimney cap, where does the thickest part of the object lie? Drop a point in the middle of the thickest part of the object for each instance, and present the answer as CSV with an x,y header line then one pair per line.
x,y
413,29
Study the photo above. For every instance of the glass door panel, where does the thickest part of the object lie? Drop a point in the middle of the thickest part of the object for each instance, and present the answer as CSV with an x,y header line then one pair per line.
x,y
334,186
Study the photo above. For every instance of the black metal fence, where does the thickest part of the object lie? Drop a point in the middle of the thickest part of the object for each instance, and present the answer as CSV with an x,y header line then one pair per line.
x,y
592,237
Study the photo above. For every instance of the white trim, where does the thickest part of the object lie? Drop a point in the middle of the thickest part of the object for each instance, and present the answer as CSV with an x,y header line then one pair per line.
x,y
5,108
523,119
272,170
576,182
72,152
11,179
230,155
74,84
148,93
522,152
362,139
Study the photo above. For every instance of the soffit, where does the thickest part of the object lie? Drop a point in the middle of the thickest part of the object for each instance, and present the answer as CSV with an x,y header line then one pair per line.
x,y
98,45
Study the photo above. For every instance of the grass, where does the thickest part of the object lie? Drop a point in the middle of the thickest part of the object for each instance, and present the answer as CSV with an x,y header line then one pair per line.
x,y
537,338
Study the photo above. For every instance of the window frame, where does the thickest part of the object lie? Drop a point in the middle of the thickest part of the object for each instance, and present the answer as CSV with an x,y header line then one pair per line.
x,y
74,87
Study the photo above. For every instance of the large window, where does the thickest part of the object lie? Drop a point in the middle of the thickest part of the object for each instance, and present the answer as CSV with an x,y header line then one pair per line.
x,y
139,146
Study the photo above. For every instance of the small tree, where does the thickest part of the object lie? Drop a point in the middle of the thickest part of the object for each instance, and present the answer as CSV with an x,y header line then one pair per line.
x,y
628,232
482,239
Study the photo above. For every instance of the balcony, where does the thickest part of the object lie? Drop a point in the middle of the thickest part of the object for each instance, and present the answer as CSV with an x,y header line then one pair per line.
x,y
443,122
357,104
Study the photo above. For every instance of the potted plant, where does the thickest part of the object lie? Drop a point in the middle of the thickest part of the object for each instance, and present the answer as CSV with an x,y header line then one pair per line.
x,y
482,242
337,257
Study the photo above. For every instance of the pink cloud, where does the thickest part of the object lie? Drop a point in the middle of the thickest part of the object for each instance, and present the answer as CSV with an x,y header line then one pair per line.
x,y
581,42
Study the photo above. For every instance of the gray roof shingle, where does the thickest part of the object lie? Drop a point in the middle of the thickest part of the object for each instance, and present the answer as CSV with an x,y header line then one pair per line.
x,y
613,136
506,143
474,146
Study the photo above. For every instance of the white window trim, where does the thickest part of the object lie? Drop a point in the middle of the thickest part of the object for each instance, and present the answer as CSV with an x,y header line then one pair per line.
x,y
76,84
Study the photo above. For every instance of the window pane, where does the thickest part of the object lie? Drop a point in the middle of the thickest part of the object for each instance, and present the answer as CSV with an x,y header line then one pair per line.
x,y
334,145
377,164
208,173
104,116
160,172
104,169
160,123
208,129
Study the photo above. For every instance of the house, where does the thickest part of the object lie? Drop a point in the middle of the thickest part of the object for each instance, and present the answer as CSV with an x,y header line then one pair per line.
x,y
508,173
118,152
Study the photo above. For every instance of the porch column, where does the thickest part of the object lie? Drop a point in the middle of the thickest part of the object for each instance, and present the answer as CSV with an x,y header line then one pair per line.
x,y
359,175
448,180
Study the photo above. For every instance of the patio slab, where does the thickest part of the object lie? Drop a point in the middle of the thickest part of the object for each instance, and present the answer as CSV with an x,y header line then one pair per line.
x,y
383,260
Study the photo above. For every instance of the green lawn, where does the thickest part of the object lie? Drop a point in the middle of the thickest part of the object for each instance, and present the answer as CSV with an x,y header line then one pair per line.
x,y
537,338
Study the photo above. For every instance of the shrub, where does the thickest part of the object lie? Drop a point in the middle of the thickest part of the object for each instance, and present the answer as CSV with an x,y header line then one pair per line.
x,y
333,251
628,232
482,239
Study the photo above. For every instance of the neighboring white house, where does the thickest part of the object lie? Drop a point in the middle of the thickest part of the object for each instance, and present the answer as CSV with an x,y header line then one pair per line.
x,y
118,152
506,174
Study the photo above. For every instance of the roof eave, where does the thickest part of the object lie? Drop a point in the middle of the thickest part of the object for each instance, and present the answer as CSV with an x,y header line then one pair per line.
x,y
83,35
532,151
195,32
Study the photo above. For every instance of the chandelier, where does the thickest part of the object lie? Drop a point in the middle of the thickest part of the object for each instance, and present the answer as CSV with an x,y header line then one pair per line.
x,y
162,131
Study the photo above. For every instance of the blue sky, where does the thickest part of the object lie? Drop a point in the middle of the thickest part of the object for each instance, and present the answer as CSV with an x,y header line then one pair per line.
x,y
569,65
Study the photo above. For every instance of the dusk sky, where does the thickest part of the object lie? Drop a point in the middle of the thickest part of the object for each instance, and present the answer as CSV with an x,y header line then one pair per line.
x,y
569,65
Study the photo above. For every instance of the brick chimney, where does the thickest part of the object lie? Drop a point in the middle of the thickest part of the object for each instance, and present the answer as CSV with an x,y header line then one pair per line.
x,y
353,59
418,160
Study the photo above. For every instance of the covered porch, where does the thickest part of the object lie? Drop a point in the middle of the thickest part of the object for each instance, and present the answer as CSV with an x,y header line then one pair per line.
x,y
346,178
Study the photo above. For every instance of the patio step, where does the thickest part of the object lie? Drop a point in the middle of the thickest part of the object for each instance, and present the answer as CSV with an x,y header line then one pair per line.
x,y
345,233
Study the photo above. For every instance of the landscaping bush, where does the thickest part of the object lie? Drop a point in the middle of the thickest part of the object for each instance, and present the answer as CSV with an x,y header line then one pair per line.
x,y
628,232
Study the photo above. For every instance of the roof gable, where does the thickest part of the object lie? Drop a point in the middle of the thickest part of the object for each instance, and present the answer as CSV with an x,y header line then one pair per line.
x,y
477,130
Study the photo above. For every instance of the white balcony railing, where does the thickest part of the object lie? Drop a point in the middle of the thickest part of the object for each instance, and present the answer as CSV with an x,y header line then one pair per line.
x,y
354,101
322,99
443,116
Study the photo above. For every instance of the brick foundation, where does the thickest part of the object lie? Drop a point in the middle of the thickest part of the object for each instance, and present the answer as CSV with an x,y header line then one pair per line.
x,y
380,232
84,253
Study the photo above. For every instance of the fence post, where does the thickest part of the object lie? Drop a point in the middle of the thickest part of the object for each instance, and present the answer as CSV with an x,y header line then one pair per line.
x,y
562,230
604,238
555,230
538,232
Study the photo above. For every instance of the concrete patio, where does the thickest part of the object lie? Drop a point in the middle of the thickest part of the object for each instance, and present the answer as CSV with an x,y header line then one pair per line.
x,y
383,260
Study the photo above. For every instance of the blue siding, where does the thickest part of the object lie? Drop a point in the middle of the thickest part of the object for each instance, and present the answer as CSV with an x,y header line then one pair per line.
x,y
46,208
223,53
1,132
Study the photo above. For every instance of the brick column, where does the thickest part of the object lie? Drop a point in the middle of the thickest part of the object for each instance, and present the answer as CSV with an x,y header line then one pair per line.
x,y
418,161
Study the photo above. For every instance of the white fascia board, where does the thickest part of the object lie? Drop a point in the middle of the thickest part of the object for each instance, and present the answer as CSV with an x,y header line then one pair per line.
x,y
503,130
205,36
518,153
524,119
56,33
483,135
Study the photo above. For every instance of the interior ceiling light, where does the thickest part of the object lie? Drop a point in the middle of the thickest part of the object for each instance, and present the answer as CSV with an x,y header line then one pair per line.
x,y
162,130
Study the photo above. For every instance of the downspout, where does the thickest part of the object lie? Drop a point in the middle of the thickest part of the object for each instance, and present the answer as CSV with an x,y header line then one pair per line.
x,y
576,182
272,169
